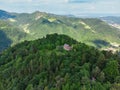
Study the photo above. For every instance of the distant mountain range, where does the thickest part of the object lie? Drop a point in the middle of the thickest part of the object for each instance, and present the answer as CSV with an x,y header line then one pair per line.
x,y
17,27
113,21
5,15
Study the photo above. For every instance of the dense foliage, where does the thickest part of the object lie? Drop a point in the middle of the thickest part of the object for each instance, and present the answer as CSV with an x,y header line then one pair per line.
x,y
31,26
9,35
44,65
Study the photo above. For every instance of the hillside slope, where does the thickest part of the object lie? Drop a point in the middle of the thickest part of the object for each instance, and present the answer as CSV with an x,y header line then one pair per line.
x,y
10,35
35,25
5,15
45,65
113,21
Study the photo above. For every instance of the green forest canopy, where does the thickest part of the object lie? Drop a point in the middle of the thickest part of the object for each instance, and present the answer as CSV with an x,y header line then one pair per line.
x,y
43,64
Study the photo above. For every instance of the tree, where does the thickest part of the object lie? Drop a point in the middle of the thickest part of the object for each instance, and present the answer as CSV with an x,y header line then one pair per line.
x,y
101,77
111,70
98,86
66,87
1,86
101,60
115,86
29,87
117,79
95,72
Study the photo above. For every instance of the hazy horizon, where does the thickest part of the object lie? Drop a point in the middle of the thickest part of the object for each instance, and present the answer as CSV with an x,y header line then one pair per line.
x,y
80,8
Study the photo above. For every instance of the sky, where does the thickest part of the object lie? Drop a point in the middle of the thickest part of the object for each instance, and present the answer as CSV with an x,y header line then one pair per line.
x,y
64,7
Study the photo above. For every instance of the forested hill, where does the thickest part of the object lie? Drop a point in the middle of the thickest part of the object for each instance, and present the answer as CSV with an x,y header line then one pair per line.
x,y
17,27
5,15
46,64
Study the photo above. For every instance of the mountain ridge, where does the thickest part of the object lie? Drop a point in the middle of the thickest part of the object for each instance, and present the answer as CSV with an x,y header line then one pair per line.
x,y
5,15
36,25
113,21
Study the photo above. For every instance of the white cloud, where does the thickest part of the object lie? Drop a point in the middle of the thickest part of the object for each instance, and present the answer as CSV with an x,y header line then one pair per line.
x,y
34,1
62,6
14,1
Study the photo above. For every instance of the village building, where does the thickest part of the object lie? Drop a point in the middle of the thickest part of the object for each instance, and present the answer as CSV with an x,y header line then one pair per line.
x,y
67,47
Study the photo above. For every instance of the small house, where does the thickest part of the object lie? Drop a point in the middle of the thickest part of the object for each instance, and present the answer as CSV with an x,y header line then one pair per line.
x,y
67,47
